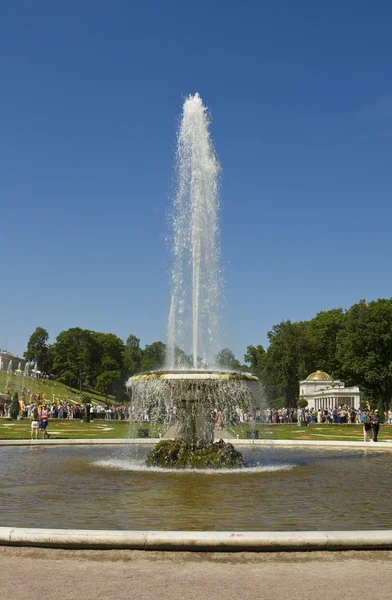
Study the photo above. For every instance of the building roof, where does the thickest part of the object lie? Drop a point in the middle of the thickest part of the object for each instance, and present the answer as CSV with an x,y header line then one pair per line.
x,y
319,376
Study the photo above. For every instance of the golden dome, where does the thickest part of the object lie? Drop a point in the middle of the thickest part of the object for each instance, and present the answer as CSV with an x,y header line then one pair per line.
x,y
319,376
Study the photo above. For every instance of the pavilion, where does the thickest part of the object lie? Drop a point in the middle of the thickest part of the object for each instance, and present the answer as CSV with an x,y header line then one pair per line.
x,y
321,391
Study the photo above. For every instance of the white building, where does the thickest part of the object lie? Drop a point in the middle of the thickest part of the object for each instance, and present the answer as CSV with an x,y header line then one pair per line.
x,y
6,358
321,391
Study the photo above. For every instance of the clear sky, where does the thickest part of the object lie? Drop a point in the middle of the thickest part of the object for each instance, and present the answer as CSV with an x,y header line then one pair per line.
x,y
91,92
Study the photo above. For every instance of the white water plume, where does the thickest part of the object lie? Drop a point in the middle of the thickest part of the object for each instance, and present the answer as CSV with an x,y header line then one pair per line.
x,y
194,314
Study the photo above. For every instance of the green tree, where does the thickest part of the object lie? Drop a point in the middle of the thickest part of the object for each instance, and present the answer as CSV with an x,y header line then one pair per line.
x,y
302,403
226,360
154,356
323,332
105,382
39,351
111,373
364,349
255,357
289,359
133,355
75,357
15,408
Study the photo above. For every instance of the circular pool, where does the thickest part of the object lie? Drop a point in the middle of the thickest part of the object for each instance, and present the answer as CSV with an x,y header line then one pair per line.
x,y
281,489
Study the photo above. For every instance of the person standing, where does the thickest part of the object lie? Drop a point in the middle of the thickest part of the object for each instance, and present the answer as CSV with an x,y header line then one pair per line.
x,y
367,425
44,422
376,420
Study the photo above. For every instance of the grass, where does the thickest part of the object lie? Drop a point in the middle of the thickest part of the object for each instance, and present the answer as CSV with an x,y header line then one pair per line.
x,y
75,429
352,433
51,389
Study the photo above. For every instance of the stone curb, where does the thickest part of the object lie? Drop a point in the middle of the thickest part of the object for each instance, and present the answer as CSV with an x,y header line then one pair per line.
x,y
189,541
235,442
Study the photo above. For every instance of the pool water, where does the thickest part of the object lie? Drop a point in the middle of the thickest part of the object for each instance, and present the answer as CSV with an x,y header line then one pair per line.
x,y
108,487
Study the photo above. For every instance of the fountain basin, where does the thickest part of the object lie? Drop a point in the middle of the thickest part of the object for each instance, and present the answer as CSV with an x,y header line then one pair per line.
x,y
107,487
193,375
196,395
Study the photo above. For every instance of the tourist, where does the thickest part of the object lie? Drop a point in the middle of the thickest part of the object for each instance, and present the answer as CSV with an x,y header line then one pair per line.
x,y
367,425
390,416
219,420
34,429
44,423
375,422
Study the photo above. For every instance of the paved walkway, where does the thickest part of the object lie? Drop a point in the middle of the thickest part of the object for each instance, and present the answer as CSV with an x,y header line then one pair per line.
x,y
222,434
170,432
33,574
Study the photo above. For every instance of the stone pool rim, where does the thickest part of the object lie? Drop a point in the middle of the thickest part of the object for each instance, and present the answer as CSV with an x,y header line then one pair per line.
x,y
234,441
197,541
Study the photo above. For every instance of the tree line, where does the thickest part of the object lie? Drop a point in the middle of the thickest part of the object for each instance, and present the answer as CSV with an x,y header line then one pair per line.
x,y
82,358
353,345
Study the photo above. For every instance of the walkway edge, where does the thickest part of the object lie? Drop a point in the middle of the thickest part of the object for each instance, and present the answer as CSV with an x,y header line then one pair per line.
x,y
190,541
235,442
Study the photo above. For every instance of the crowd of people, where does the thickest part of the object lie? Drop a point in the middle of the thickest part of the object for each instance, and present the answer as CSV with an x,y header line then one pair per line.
x,y
67,409
39,411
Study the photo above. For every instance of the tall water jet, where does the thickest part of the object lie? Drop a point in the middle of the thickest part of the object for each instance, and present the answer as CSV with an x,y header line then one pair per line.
x,y
195,277
193,326
171,335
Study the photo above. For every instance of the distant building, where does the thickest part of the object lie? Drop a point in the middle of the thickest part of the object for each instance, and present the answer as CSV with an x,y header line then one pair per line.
x,y
6,357
321,391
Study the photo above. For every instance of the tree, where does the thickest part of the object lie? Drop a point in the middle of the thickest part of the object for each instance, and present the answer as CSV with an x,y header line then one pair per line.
x,y
75,357
105,382
39,351
154,356
15,407
323,332
226,360
133,355
288,360
364,349
302,403
255,357
111,374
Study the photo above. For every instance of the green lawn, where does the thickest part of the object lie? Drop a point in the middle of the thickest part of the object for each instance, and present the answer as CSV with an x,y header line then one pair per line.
x,y
347,433
75,429
49,388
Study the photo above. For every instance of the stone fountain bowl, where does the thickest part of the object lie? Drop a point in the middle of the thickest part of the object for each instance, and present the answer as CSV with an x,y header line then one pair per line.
x,y
196,395
191,375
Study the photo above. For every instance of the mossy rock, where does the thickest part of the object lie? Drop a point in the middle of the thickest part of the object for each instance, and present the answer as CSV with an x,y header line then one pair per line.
x,y
176,454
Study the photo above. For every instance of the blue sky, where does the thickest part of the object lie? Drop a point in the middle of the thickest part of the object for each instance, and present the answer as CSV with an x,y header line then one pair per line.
x,y
91,91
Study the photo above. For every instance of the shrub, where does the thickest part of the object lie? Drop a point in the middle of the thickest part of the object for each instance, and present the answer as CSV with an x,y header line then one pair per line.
x,y
15,408
302,403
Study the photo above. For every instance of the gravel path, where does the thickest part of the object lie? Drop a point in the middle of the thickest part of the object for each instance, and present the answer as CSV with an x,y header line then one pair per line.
x,y
30,574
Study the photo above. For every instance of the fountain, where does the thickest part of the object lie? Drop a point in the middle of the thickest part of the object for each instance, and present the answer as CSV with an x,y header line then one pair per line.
x,y
194,315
